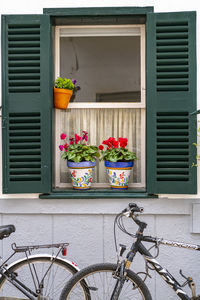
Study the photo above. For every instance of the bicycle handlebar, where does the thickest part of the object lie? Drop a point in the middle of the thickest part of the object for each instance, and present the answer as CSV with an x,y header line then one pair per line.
x,y
129,212
133,208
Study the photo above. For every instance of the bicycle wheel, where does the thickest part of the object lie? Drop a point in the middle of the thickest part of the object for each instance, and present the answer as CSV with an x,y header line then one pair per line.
x,y
54,281
100,282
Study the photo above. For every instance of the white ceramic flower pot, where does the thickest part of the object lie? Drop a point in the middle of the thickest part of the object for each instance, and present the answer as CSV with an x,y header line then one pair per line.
x,y
81,174
119,174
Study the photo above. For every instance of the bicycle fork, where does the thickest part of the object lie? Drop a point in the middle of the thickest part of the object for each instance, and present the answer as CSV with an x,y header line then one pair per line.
x,y
120,282
120,273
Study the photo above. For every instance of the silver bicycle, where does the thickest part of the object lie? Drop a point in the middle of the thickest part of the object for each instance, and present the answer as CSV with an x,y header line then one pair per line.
x,y
35,276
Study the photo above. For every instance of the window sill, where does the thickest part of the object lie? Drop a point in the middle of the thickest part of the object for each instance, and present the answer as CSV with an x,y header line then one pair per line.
x,y
96,193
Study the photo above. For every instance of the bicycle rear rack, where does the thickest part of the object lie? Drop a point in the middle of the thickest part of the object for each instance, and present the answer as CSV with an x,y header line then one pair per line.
x,y
34,247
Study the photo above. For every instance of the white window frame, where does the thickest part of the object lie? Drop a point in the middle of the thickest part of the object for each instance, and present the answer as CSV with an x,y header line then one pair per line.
x,y
95,31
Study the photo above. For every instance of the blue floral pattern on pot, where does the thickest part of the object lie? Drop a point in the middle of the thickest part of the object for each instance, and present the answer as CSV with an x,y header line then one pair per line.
x,y
81,174
119,174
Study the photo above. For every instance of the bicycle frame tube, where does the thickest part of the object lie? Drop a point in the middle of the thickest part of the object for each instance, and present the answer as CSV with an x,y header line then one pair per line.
x,y
20,286
161,241
170,280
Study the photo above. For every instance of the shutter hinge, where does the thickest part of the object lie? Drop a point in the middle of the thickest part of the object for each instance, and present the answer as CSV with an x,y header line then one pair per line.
x,y
196,112
4,122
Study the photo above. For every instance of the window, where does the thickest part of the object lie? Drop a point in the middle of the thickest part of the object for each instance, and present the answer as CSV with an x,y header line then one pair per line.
x,y
109,64
27,96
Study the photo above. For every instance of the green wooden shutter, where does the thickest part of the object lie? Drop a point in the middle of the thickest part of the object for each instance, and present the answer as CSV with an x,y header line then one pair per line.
x,y
26,103
171,97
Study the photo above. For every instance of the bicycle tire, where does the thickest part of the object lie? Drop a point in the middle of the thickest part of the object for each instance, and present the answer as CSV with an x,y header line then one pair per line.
x,y
54,282
134,288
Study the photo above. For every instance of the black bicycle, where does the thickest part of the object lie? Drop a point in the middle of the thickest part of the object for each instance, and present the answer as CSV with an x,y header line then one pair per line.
x,y
108,281
35,276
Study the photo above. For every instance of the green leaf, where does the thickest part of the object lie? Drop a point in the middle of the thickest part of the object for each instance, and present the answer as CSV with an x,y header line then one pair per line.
x,y
113,158
118,154
71,156
64,83
81,152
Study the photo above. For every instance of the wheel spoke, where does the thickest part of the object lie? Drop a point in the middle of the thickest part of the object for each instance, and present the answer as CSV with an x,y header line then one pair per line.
x,y
100,284
54,280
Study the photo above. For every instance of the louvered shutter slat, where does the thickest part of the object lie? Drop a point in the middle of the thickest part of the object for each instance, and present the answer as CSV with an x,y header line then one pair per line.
x,y
171,96
26,35
27,104
170,33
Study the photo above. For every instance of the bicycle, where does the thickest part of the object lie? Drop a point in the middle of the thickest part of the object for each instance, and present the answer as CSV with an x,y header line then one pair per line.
x,y
108,281
35,276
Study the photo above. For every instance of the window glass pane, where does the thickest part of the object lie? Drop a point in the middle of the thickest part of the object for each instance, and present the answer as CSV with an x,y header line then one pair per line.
x,y
101,124
107,68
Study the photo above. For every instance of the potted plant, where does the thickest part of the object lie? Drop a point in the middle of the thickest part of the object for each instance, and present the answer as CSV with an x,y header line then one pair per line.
x,y
118,161
64,89
81,159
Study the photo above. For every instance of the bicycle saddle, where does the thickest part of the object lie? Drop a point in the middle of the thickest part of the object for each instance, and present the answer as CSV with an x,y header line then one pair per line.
x,y
6,230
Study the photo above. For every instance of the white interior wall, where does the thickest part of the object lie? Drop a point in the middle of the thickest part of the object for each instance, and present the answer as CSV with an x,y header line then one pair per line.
x,y
94,60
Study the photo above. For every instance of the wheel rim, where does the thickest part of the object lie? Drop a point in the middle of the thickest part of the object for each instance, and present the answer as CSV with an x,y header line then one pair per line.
x,y
54,281
100,286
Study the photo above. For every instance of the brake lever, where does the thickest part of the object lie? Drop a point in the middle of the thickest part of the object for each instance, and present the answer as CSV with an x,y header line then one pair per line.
x,y
135,208
127,214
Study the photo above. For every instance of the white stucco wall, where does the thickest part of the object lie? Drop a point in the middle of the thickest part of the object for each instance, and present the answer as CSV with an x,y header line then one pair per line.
x,y
88,223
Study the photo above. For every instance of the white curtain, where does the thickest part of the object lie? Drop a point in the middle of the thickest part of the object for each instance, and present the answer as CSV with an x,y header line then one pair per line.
x,y
101,124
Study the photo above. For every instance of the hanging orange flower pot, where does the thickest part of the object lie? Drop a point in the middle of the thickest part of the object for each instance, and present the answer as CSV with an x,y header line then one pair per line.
x,y
62,98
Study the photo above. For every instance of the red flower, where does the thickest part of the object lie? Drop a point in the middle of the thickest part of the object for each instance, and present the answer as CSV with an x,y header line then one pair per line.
x,y
101,147
115,144
111,140
66,146
77,138
71,141
123,142
63,136
85,136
